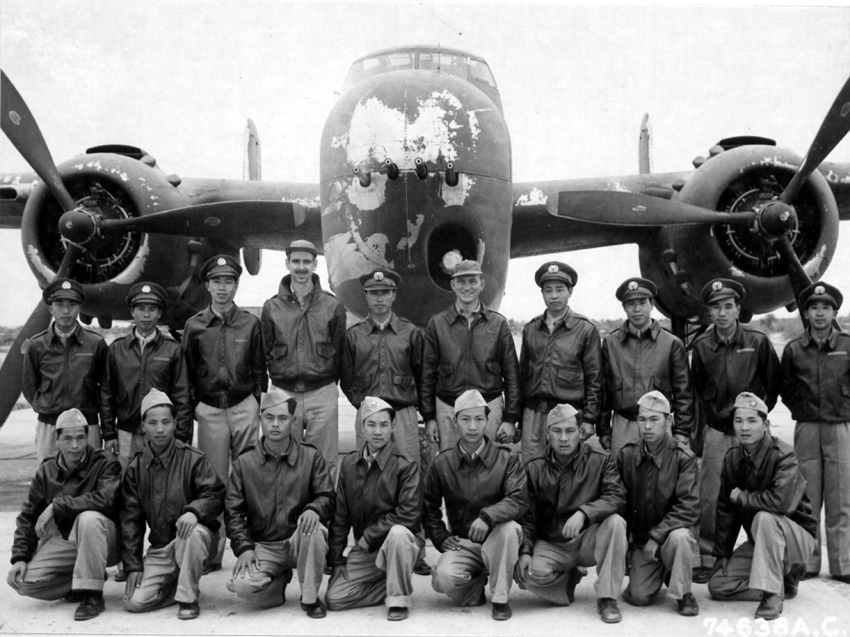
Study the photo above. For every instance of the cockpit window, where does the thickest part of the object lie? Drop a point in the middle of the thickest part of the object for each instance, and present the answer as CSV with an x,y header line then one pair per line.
x,y
444,62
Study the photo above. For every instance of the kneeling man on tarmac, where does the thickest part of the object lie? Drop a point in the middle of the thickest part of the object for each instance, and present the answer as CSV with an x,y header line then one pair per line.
x,y
483,486
279,502
761,489
67,531
172,488
662,504
378,494
576,495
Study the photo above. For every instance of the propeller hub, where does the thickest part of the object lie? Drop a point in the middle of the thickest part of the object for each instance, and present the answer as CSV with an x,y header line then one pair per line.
x,y
77,226
777,219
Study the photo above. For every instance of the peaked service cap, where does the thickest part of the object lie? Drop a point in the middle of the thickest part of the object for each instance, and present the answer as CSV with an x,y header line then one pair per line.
x,y
380,279
717,289
467,266
636,288
146,292
63,289
301,245
820,291
555,271
221,265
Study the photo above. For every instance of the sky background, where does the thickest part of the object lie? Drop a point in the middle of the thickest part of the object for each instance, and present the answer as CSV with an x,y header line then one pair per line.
x,y
179,79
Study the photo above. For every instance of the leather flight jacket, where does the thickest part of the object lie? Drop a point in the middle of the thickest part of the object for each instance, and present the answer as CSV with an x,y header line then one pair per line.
x,y
588,483
157,490
384,363
490,487
721,371
92,485
372,498
770,480
564,366
267,494
459,357
59,376
816,380
132,372
662,490
224,357
303,345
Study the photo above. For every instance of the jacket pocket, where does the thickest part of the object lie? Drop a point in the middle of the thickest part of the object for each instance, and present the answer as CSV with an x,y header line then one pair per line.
x,y
325,350
569,376
279,351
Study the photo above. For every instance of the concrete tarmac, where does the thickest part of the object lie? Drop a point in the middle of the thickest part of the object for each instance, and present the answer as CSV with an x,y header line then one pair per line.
x,y
821,609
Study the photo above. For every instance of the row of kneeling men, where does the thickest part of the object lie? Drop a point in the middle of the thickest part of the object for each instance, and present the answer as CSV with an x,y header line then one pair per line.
x,y
540,525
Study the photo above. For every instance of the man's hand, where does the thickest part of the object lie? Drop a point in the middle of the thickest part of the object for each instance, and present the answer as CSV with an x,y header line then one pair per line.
x,y
308,522
521,569
605,441
451,543
44,519
111,446
341,571
186,523
685,440
506,433
17,573
735,495
478,531
432,434
650,551
134,580
587,430
246,564
720,564
574,525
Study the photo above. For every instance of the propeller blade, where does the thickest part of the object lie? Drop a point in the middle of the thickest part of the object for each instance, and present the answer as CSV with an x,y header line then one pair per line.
x,y
799,278
223,219
634,209
71,254
12,370
835,126
20,127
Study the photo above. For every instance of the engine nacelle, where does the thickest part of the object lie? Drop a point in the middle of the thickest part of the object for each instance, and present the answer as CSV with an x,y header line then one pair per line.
x,y
735,181
116,186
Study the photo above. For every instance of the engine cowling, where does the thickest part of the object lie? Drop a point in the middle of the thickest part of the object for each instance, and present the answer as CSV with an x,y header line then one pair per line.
x,y
115,186
735,181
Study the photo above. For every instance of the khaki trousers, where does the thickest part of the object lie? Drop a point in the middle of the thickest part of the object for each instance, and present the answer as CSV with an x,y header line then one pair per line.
x,y
534,438
779,544
623,431
676,561
305,553
462,574
172,573
385,575
78,563
129,445
604,545
823,450
316,422
715,446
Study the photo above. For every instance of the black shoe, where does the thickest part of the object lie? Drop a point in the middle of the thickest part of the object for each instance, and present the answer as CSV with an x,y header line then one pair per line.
x,y
572,581
844,579
315,611
188,610
791,580
74,597
91,606
607,608
688,606
397,613
421,567
121,575
501,612
770,606
701,575
328,570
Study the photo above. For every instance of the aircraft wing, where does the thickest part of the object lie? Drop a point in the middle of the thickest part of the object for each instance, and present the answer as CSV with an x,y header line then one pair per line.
x,y
15,189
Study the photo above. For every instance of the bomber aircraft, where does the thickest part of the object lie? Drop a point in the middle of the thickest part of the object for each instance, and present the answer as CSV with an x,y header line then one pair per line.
x,y
415,175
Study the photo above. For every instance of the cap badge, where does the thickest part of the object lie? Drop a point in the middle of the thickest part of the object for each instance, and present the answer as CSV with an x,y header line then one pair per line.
x,y
753,403
378,276
820,290
146,289
717,286
633,285
221,261
553,269
66,285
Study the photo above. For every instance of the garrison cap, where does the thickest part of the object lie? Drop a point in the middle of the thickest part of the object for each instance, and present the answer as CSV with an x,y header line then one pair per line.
x,y
155,398
380,279
63,289
147,293
717,289
221,265
636,288
656,401
561,413
555,271
372,405
301,245
470,399
749,400
71,418
275,397
820,291
467,266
